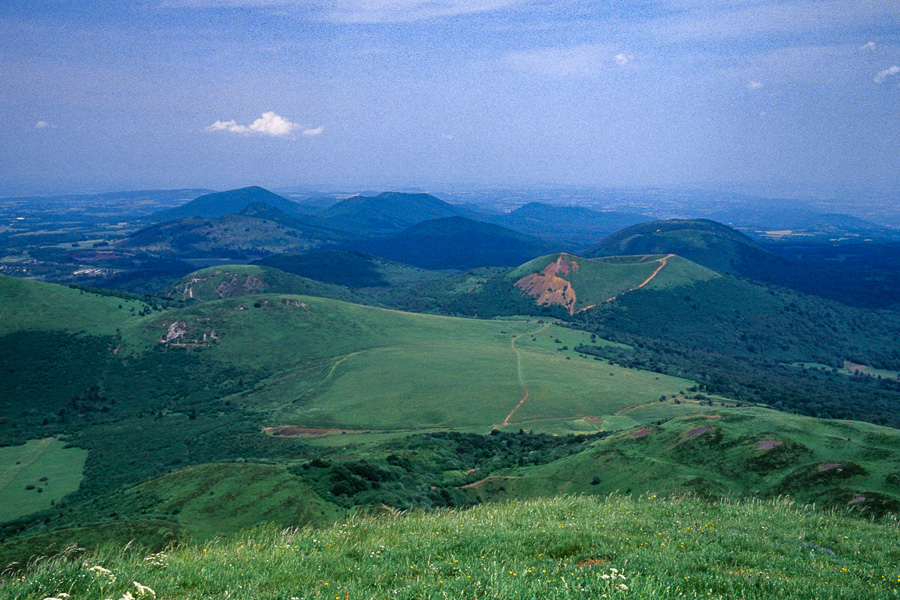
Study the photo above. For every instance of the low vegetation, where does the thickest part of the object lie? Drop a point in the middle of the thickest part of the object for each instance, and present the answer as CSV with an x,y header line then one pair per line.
x,y
616,547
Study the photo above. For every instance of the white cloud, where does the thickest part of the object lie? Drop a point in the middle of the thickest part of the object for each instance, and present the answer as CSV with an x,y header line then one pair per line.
x,y
623,59
882,75
41,125
269,124
755,85
868,46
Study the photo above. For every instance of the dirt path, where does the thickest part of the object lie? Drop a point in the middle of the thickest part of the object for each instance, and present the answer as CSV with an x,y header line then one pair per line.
x,y
512,345
662,263
331,371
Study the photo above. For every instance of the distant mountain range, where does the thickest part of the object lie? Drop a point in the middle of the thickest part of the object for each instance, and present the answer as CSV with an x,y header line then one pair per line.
x,y
423,231
575,226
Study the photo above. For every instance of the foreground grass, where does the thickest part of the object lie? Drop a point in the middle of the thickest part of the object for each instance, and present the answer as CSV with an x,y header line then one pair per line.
x,y
567,547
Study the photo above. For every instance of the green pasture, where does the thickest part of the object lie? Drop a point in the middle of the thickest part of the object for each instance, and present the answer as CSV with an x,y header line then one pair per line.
x,y
33,305
46,466
331,364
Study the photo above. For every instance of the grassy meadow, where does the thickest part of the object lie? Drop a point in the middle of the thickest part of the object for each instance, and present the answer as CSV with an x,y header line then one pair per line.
x,y
725,452
33,305
646,547
35,475
329,364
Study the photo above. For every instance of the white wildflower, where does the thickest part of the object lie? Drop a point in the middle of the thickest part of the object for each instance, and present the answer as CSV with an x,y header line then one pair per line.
x,y
100,570
103,572
143,590
157,560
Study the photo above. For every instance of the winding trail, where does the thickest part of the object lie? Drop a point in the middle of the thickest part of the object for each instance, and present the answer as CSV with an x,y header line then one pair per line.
x,y
331,372
512,345
662,263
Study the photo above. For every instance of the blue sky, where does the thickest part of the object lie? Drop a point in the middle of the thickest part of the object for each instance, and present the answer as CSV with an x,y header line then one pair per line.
x,y
391,93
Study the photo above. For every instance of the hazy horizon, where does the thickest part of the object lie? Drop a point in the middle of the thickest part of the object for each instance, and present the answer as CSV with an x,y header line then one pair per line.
x,y
775,98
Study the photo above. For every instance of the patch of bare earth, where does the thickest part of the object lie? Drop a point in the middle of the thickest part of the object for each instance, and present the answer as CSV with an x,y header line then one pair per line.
x,y
481,482
697,431
857,500
285,431
855,367
548,288
829,466
590,562
768,444
640,433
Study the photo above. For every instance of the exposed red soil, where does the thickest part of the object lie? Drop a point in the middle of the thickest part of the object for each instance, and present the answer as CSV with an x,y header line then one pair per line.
x,y
712,416
829,466
594,420
521,402
512,345
768,444
698,431
640,433
548,287
481,482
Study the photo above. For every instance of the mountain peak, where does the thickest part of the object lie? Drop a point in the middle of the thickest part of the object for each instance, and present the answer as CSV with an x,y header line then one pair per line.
x,y
218,204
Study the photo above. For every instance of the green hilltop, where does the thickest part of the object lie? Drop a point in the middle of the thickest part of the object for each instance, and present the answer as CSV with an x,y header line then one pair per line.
x,y
351,269
228,281
708,243
577,284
